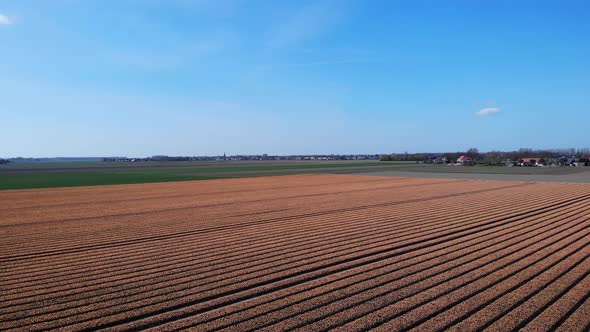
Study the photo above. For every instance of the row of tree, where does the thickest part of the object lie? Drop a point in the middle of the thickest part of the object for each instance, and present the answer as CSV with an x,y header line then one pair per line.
x,y
491,157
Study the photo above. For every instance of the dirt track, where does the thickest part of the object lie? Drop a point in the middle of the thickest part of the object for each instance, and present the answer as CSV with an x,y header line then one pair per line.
x,y
309,252
571,174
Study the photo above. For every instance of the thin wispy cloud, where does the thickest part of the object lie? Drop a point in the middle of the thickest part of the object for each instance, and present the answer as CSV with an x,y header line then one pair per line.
x,y
5,20
163,59
307,23
315,63
488,111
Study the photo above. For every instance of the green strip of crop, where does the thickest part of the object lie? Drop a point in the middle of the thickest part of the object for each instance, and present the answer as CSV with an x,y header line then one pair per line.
x,y
30,180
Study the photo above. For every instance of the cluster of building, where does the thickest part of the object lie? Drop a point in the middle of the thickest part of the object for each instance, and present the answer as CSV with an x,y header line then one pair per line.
x,y
462,160
562,161
245,157
525,162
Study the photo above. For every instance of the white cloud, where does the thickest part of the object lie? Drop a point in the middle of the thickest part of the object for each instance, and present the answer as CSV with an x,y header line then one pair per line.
x,y
488,111
4,20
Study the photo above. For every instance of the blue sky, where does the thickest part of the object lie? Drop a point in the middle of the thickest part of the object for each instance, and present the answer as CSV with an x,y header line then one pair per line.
x,y
203,77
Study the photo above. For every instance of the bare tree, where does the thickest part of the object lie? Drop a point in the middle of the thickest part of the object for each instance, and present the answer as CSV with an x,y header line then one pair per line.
x,y
473,153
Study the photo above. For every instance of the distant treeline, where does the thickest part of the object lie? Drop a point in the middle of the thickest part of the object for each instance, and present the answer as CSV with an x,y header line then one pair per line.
x,y
245,157
51,160
491,157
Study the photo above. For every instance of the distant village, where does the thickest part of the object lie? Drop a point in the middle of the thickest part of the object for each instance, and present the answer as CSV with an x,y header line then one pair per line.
x,y
471,157
163,158
522,157
247,157
526,162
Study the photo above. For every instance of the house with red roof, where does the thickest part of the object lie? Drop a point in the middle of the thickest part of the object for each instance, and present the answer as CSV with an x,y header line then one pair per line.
x,y
465,161
533,161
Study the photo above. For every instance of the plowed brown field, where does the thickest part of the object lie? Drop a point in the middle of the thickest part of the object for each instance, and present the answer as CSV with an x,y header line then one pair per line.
x,y
302,252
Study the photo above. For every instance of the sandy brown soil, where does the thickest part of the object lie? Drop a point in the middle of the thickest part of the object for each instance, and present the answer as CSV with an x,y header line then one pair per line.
x,y
302,252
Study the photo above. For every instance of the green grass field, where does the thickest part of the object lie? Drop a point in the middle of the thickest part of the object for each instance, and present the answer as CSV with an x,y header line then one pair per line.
x,y
92,177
